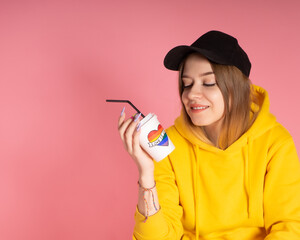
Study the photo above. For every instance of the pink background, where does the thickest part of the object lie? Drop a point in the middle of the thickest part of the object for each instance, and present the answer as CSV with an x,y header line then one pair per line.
x,y
63,171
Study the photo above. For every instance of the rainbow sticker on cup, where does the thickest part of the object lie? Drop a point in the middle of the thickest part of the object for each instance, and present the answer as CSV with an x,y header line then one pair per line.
x,y
154,139
158,137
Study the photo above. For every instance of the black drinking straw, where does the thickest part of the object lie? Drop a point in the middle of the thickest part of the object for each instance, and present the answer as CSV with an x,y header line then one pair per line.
x,y
126,101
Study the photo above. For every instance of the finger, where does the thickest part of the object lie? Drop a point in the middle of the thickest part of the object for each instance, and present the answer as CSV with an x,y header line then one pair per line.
x,y
122,117
136,139
129,132
123,127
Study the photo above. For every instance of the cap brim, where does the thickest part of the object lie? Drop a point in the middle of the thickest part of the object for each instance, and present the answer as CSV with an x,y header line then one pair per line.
x,y
176,55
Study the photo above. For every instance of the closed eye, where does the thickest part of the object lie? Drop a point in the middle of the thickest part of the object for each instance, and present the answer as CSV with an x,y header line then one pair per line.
x,y
209,84
187,86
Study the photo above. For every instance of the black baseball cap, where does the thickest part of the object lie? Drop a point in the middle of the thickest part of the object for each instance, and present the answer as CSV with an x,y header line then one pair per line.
x,y
216,46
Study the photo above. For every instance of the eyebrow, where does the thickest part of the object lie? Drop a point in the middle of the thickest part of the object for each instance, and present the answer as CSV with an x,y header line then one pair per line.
x,y
201,75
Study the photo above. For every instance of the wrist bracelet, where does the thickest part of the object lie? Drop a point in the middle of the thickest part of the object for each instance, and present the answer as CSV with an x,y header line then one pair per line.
x,y
146,189
147,205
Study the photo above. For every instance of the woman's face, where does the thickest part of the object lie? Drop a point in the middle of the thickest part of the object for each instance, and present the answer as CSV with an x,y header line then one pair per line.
x,y
202,98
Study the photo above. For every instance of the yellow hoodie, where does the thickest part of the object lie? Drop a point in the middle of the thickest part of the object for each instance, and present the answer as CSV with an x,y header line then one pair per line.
x,y
250,191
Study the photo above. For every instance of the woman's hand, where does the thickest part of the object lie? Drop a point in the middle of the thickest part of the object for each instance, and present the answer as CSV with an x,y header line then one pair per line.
x,y
129,133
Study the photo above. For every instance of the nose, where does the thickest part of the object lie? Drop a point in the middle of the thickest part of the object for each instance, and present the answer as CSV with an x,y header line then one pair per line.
x,y
196,92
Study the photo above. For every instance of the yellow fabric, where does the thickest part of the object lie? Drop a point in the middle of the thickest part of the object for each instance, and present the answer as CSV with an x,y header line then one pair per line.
x,y
250,191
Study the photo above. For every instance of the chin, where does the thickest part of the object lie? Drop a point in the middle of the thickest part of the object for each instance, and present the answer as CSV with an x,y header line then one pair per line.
x,y
198,123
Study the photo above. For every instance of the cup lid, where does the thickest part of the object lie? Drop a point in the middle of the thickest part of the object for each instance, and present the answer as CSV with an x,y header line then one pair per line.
x,y
147,118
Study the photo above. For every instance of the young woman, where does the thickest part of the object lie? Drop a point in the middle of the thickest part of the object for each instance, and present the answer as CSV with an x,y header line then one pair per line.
x,y
234,173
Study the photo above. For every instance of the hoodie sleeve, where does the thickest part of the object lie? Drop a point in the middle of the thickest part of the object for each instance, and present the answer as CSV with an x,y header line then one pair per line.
x,y
282,193
166,223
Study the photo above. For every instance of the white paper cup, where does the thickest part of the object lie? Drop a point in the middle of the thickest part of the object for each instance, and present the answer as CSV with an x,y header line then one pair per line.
x,y
154,139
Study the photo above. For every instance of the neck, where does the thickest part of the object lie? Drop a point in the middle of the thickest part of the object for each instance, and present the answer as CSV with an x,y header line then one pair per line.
x,y
213,132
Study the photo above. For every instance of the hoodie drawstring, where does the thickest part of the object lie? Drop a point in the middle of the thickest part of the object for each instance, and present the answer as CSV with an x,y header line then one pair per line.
x,y
247,155
196,190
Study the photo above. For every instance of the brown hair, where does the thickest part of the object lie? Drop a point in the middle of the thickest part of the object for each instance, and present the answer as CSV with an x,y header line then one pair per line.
x,y
238,96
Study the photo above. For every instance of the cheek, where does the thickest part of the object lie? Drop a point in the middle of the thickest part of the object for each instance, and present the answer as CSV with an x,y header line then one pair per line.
x,y
217,99
221,104
184,98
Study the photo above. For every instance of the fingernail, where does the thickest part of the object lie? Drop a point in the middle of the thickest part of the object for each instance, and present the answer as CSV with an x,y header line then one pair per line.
x,y
137,117
138,127
122,111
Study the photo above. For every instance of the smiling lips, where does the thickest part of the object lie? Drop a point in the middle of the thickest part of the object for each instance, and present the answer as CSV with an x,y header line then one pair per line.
x,y
198,108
